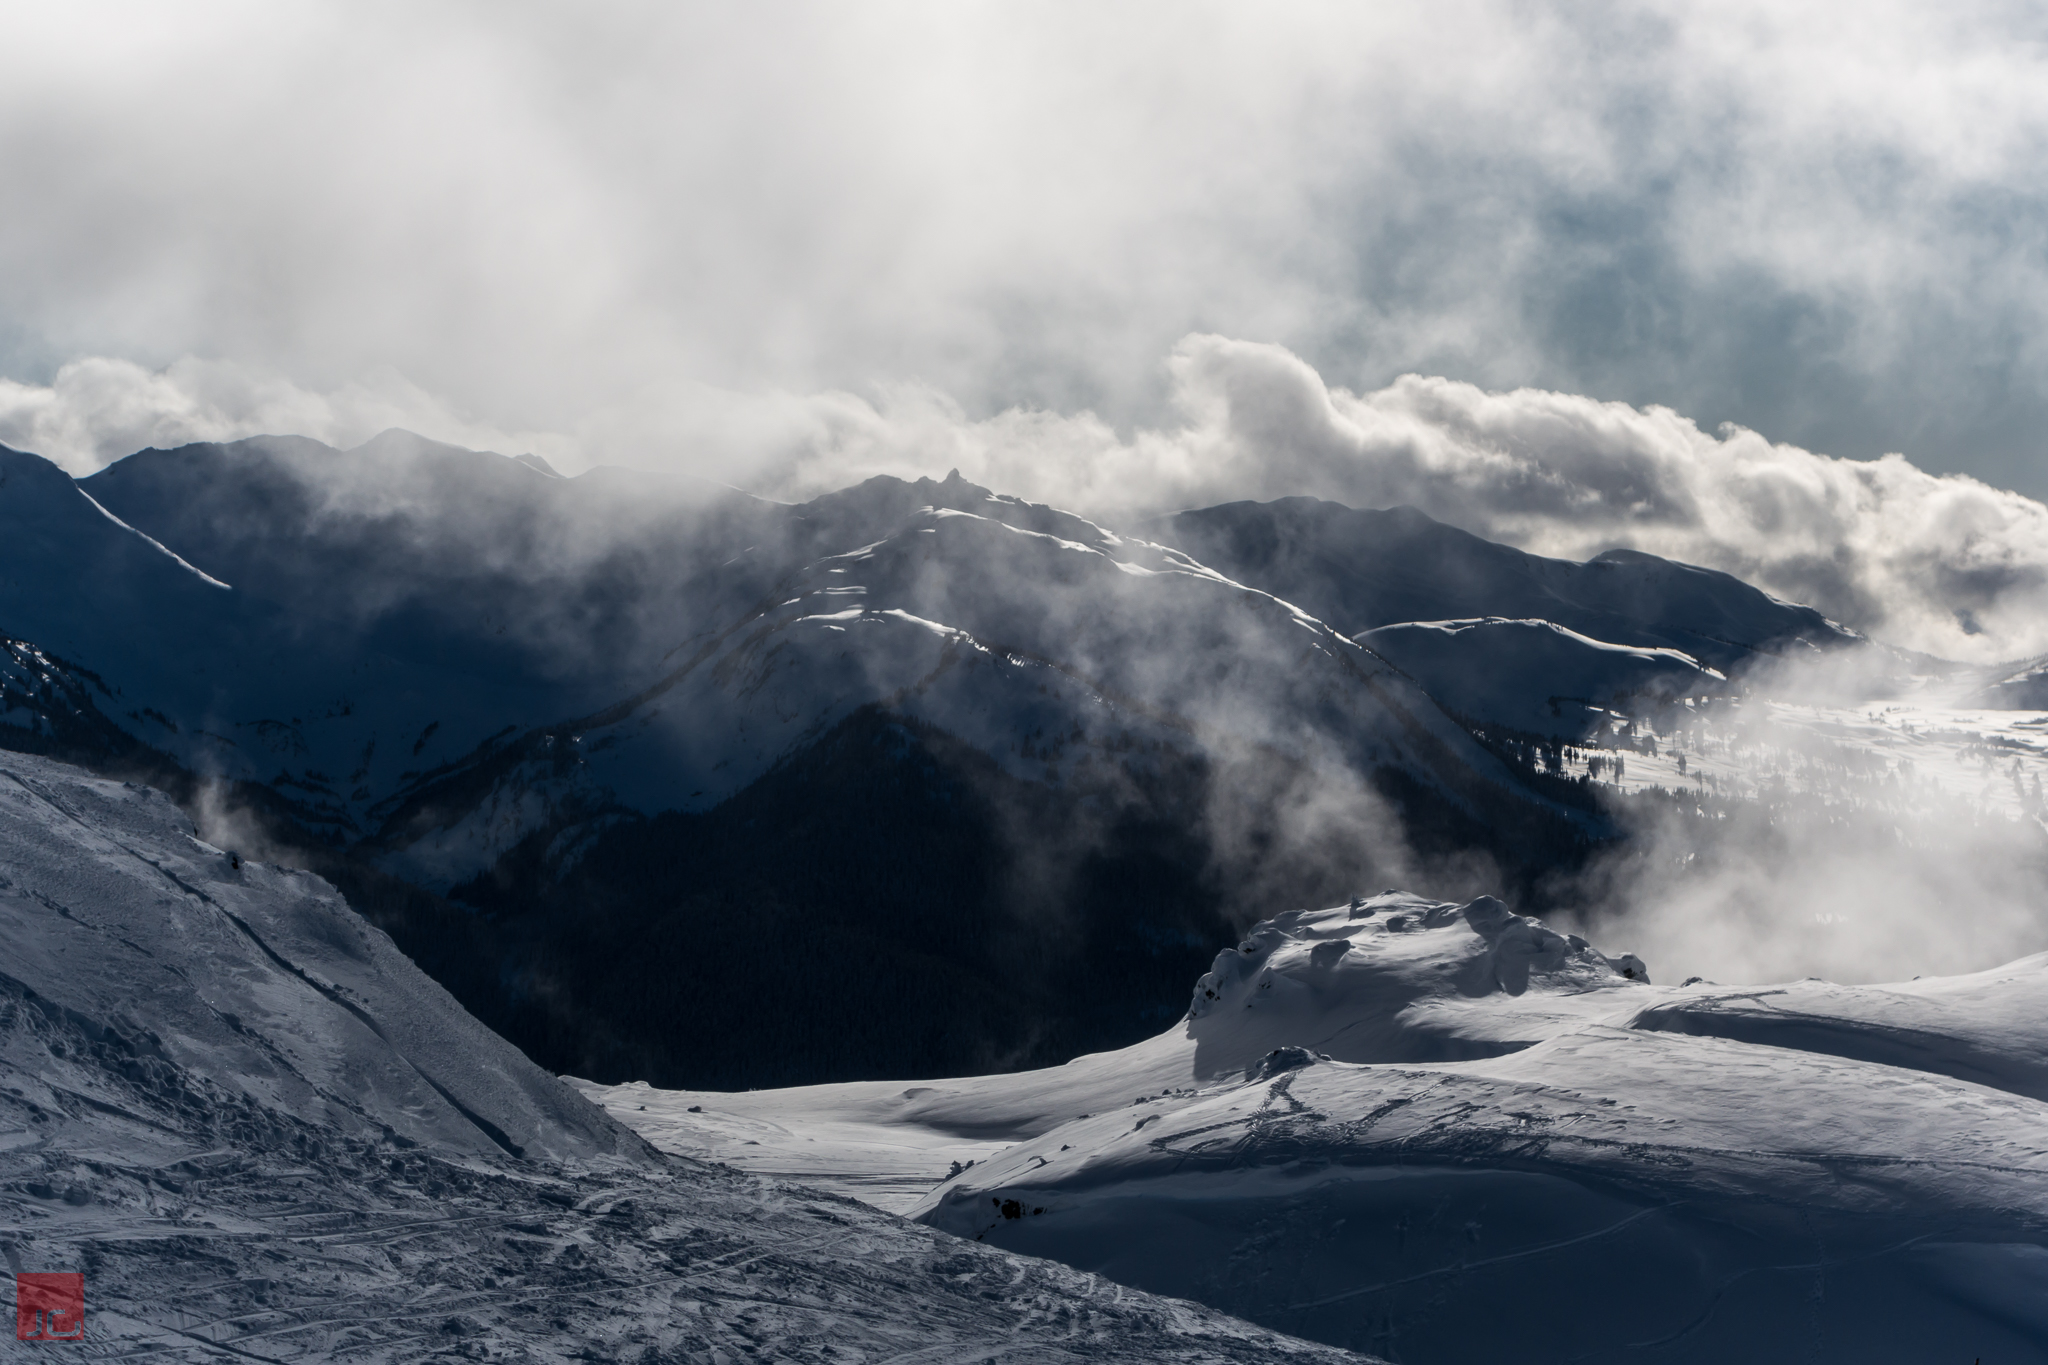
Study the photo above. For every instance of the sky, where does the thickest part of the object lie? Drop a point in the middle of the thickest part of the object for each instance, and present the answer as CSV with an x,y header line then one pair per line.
x,y
1518,263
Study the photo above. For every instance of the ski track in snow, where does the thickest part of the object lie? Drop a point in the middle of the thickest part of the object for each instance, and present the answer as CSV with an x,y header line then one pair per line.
x,y
259,1132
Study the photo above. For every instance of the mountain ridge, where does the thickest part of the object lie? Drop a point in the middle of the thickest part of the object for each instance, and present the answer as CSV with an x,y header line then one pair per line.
x,y
1364,569
446,663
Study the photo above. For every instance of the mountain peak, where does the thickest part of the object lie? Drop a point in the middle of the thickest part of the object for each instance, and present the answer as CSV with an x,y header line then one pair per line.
x,y
532,461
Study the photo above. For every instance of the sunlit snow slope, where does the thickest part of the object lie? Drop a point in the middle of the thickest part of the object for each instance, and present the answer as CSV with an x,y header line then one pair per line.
x,y
1905,757
1446,1133
260,1133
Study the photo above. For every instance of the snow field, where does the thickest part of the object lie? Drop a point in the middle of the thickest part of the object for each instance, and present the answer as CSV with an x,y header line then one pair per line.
x,y
1446,1133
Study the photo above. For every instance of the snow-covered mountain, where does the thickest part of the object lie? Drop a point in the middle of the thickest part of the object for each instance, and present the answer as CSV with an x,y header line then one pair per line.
x,y
1539,677
405,635
541,695
662,780
569,739
2016,687
1445,1133
260,1132
1360,570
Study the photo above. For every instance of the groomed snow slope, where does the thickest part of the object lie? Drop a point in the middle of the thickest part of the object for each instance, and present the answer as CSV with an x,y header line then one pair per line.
x,y
1445,1133
260,1133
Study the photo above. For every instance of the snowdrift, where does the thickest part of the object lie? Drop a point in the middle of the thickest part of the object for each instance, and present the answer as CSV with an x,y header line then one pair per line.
x,y
1756,1174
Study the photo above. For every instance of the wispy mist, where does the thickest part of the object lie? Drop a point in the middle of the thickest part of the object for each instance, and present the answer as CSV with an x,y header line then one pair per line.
x,y
1806,887
1835,834
793,246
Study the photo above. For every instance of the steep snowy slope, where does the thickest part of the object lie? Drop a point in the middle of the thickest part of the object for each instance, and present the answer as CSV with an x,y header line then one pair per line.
x,y
325,1021
259,1132
1537,676
48,706
77,582
1359,570
228,680
1446,1133
450,560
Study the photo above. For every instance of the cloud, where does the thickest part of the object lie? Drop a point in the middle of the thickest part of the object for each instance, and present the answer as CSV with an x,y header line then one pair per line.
x,y
1846,844
1514,263
1822,222
1941,563
97,409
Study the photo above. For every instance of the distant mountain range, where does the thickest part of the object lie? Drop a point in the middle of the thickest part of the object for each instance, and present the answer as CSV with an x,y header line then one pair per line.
x,y
668,781
1361,570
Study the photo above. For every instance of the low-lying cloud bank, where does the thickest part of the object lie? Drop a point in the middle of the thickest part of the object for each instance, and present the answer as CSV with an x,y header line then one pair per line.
x,y
1940,563
98,409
